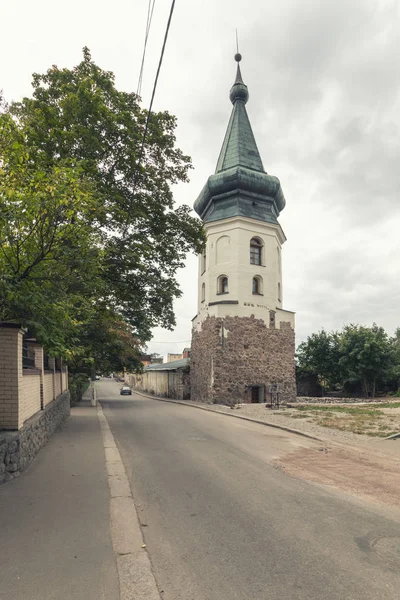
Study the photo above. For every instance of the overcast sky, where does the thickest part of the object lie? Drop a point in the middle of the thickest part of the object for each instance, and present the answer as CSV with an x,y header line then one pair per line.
x,y
324,83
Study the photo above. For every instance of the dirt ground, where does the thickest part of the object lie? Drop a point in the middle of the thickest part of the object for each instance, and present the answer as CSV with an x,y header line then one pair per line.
x,y
355,472
373,420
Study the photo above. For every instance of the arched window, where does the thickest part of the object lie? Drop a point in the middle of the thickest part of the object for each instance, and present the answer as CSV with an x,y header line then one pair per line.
x,y
257,285
203,292
255,251
222,287
279,292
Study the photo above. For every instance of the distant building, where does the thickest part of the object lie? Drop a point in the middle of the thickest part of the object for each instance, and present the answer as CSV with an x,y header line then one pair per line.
x,y
145,359
151,359
186,353
171,379
157,360
173,357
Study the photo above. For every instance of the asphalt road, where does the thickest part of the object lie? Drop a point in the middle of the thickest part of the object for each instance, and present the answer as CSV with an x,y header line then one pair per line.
x,y
221,522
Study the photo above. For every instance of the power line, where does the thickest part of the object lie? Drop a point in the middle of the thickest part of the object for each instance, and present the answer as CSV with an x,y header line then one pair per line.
x,y
170,342
149,113
150,10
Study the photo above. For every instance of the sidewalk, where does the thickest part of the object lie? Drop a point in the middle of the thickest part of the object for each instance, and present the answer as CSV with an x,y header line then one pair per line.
x,y
54,520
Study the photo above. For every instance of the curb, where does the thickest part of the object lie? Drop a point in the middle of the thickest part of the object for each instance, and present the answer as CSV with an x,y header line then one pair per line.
x,y
394,436
134,568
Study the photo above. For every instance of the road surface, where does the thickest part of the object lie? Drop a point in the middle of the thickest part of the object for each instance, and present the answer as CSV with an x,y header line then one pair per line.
x,y
222,522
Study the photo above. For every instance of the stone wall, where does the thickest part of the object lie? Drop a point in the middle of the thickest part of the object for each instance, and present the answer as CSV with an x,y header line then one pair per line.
x,y
334,400
229,355
19,448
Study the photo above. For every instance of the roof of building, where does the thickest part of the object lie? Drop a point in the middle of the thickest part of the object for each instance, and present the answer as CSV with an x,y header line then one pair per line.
x,y
239,147
169,366
240,186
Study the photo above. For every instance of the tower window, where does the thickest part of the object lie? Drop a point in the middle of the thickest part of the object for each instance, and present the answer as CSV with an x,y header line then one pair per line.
x,y
279,292
203,292
222,287
257,285
255,251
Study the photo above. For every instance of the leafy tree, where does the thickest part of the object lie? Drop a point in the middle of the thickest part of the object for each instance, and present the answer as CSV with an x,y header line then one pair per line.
x,y
49,253
82,223
319,355
106,344
366,355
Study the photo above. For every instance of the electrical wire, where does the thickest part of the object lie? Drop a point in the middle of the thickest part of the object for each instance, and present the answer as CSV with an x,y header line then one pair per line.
x,y
170,342
149,113
150,10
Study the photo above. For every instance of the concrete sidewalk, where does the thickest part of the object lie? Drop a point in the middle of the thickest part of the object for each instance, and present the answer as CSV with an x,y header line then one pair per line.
x,y
54,520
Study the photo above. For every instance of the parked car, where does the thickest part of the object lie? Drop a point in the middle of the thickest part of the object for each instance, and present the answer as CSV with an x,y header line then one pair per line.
x,y
125,390
97,377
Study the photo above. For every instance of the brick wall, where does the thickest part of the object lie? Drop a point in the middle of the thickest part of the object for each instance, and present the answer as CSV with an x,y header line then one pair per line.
x,y
229,355
57,383
48,395
29,401
64,379
10,375
24,392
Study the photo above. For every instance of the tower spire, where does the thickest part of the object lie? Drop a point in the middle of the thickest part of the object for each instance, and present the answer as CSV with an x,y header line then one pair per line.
x,y
240,184
239,147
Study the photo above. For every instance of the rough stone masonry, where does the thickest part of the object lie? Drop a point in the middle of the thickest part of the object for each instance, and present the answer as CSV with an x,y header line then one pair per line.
x,y
19,448
249,353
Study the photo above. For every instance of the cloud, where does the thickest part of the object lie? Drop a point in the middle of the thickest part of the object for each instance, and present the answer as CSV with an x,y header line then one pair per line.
x,y
324,82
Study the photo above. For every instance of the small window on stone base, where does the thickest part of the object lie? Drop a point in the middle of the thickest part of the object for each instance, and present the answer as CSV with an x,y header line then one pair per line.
x,y
272,319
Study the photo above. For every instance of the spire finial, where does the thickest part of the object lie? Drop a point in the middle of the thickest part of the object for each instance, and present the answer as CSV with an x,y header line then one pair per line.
x,y
239,89
238,56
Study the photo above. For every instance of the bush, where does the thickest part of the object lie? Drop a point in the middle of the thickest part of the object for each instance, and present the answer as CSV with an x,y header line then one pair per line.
x,y
78,384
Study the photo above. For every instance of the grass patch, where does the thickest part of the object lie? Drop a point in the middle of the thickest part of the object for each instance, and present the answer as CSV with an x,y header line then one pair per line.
x,y
364,419
385,405
382,434
300,416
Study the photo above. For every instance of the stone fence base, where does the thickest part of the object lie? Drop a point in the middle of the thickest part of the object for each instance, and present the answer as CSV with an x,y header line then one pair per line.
x,y
334,400
19,448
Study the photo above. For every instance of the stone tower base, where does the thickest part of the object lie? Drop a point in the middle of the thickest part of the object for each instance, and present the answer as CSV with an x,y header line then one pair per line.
x,y
236,359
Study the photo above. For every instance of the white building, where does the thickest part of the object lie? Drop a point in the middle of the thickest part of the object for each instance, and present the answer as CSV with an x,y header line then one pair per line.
x,y
243,339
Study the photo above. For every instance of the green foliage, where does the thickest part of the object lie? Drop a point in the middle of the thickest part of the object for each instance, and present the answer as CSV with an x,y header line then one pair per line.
x,y
84,234
105,345
366,355
357,357
320,355
78,384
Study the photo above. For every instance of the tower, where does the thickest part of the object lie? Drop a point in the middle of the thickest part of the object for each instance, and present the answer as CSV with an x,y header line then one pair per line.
x,y
242,339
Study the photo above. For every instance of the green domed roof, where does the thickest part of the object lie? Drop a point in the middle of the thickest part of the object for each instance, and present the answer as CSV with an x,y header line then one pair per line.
x,y
240,185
